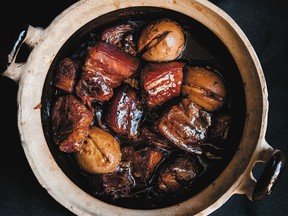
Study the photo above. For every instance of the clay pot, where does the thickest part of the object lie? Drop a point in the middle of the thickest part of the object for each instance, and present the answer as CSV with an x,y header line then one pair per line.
x,y
50,44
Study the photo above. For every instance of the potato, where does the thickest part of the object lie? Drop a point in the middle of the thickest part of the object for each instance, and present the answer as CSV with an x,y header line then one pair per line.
x,y
100,153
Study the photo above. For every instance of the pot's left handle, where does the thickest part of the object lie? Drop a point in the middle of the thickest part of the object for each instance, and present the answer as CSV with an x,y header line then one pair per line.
x,y
31,37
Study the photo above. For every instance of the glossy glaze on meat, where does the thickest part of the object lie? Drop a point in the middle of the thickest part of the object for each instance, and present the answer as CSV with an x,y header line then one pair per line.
x,y
121,36
125,112
161,82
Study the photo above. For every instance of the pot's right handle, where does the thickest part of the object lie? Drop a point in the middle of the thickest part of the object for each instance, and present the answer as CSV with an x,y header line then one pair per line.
x,y
269,177
260,189
31,36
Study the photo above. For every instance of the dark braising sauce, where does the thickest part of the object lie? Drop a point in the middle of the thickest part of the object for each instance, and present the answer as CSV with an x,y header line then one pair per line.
x,y
172,149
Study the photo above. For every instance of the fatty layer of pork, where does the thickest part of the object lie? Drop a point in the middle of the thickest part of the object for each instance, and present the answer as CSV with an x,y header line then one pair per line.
x,y
105,68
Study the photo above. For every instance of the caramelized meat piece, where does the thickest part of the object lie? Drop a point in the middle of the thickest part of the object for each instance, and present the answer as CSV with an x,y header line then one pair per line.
x,y
121,36
70,123
125,112
213,148
161,82
144,163
220,126
120,182
178,175
185,125
92,86
105,68
65,77
136,168
114,35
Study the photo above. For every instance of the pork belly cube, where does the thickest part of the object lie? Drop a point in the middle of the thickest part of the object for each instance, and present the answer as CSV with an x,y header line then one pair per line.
x,y
161,82
105,68
125,112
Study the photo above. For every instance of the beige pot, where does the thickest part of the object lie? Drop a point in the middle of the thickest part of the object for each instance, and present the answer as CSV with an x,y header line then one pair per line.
x,y
236,178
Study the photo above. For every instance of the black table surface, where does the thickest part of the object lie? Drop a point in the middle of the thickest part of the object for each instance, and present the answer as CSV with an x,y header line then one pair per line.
x,y
265,24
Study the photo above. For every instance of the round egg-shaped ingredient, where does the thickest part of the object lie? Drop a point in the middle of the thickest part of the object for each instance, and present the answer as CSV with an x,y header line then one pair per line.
x,y
161,40
205,87
100,153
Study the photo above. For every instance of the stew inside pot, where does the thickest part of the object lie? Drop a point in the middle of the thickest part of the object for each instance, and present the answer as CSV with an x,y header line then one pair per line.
x,y
143,104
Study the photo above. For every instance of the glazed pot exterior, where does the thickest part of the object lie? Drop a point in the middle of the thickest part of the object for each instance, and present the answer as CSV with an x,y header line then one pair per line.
x,y
46,43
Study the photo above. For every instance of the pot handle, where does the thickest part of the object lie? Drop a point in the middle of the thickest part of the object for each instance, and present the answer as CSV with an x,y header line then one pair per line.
x,y
31,37
260,189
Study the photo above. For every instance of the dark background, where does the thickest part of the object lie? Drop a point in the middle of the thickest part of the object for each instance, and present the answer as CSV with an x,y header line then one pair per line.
x,y
265,23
